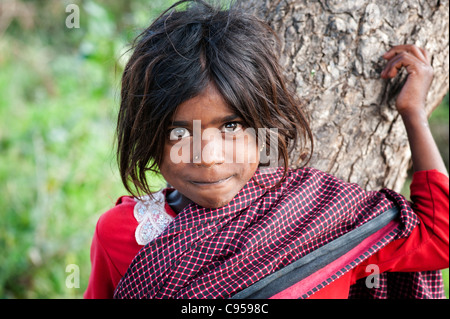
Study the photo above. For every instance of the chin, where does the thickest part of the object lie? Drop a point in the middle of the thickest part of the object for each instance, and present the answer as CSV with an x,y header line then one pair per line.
x,y
214,203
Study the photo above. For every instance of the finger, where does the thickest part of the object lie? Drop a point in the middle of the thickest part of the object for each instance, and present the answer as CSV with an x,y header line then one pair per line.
x,y
395,65
394,51
399,61
426,55
410,48
418,53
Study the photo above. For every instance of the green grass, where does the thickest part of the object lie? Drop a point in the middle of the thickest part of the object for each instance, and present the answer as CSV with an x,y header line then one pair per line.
x,y
59,91
446,282
57,171
57,166
439,127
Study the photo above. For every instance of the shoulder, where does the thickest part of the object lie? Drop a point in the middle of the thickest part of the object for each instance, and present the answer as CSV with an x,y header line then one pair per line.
x,y
115,236
113,248
134,221
121,212
427,179
117,223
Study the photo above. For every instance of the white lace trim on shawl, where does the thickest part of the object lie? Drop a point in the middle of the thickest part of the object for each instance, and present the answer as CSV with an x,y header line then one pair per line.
x,y
152,217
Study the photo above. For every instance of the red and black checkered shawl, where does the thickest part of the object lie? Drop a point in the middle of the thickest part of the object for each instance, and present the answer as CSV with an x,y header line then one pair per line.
x,y
225,252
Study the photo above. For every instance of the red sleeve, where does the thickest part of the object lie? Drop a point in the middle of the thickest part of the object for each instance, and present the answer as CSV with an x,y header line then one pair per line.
x,y
113,248
103,273
427,248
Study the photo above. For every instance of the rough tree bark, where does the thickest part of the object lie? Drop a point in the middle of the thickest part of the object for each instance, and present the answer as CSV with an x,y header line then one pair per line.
x,y
331,51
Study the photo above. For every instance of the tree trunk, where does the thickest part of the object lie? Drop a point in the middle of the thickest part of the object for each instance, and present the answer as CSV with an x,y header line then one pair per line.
x,y
331,51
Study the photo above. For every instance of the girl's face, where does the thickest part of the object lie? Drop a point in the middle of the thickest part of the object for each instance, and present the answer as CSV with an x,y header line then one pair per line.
x,y
209,154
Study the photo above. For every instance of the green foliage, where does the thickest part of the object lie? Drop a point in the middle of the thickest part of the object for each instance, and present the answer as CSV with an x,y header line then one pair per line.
x,y
59,92
439,128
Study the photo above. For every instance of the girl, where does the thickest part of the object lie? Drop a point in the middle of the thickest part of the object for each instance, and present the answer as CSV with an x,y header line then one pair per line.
x,y
202,100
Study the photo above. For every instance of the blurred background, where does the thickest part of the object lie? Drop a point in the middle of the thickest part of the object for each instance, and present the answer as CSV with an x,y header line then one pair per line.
x,y
59,95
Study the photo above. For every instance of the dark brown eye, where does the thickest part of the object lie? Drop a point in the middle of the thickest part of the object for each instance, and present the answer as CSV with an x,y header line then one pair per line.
x,y
232,127
178,133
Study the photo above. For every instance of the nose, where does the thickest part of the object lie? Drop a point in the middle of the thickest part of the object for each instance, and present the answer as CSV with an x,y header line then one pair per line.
x,y
209,151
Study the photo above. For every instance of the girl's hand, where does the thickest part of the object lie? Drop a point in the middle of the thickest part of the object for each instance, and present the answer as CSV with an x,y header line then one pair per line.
x,y
416,61
411,104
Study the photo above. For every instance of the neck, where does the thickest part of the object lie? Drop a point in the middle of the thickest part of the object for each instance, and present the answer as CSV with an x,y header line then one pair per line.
x,y
177,201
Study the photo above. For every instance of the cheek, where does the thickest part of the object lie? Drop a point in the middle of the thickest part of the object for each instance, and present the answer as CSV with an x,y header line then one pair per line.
x,y
170,164
252,152
242,150
247,159
249,170
176,152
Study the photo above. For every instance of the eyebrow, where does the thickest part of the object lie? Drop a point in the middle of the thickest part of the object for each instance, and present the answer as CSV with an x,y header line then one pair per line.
x,y
225,119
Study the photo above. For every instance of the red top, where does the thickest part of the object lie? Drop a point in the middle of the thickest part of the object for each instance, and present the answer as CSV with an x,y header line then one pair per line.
x,y
114,244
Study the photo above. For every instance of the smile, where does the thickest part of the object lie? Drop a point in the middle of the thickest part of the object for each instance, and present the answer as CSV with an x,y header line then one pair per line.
x,y
207,183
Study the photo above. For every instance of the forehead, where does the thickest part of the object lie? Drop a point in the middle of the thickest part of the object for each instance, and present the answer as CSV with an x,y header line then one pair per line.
x,y
208,106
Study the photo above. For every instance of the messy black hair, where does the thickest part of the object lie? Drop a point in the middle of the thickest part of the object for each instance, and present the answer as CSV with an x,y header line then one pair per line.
x,y
192,44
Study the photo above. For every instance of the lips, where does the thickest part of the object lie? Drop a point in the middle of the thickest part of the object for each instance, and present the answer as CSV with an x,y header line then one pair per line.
x,y
212,182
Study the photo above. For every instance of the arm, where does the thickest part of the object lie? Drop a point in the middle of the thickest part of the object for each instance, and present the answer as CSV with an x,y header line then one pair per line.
x,y
113,248
427,246
101,280
411,104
